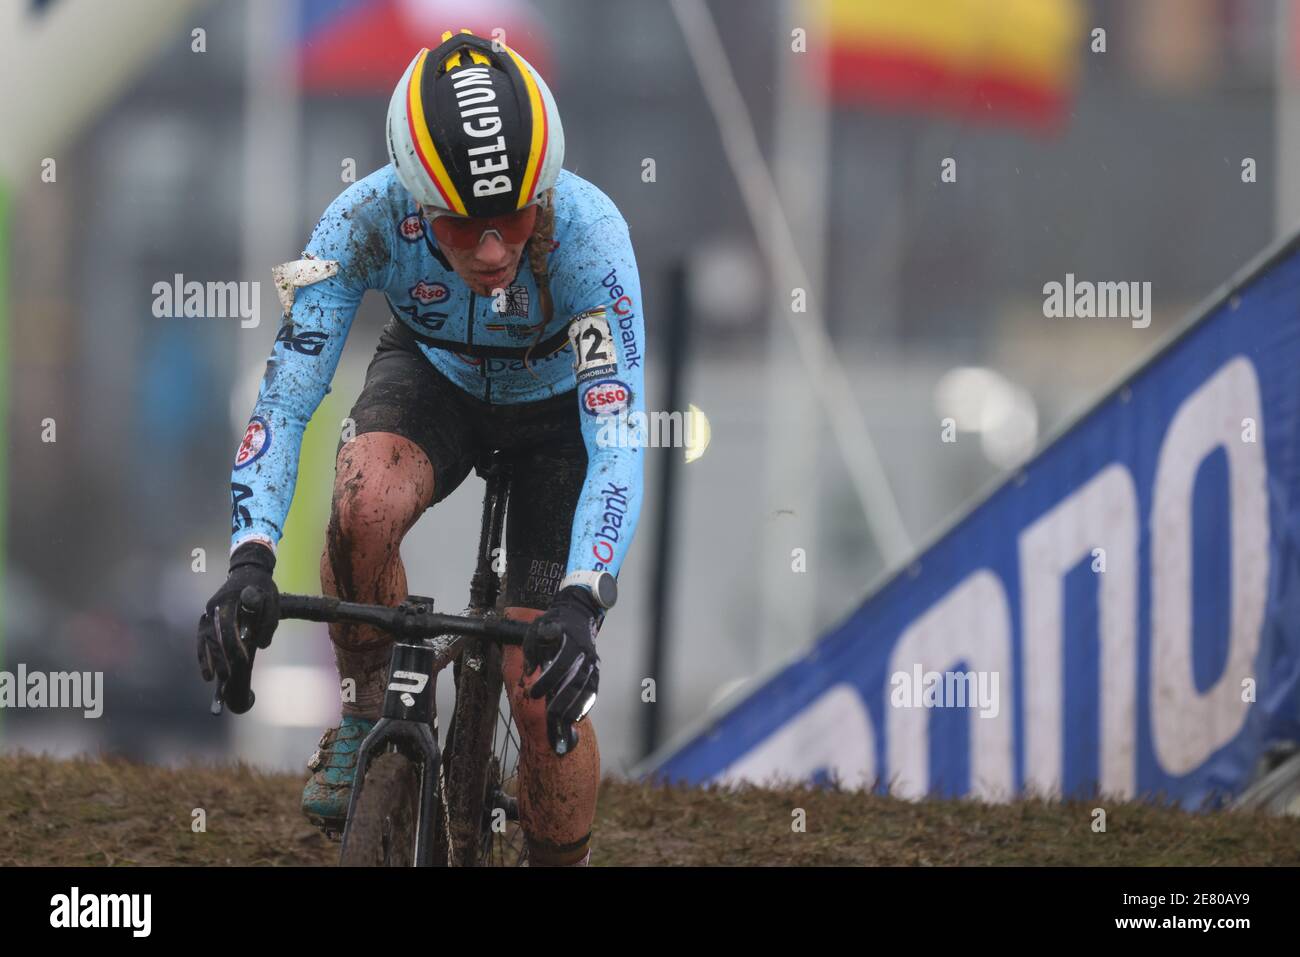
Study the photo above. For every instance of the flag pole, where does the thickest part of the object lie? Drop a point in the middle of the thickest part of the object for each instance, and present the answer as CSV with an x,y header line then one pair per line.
x,y
801,169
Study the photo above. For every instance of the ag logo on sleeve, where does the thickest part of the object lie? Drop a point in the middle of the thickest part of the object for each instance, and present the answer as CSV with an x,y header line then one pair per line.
x,y
593,346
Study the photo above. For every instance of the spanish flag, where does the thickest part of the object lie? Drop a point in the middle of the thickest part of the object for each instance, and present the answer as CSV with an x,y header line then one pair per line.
x,y
996,61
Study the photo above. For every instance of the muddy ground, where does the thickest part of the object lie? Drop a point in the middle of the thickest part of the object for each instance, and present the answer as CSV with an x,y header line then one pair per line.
x,y
111,812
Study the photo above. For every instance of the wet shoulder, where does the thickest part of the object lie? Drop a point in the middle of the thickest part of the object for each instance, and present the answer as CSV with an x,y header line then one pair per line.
x,y
579,205
360,226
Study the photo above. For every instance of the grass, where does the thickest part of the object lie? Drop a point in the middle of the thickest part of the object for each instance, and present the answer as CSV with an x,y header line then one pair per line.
x,y
90,811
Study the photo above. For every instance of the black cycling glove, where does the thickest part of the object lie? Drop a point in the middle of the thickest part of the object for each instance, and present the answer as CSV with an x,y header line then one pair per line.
x,y
562,642
219,647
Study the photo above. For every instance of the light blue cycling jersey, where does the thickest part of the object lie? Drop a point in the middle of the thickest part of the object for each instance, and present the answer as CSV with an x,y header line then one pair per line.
x,y
593,346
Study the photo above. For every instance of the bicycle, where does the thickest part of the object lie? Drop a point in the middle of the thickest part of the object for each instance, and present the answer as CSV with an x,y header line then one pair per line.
x,y
411,804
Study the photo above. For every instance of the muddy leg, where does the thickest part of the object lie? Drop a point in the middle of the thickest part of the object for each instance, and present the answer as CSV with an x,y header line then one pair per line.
x,y
382,485
557,795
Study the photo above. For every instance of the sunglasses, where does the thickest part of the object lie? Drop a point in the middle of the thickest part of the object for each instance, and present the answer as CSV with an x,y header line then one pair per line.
x,y
466,232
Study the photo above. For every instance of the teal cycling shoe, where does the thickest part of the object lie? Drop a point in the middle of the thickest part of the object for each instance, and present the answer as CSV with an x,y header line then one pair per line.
x,y
325,798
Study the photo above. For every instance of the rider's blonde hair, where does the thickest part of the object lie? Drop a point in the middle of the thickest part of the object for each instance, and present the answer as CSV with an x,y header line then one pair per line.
x,y
539,255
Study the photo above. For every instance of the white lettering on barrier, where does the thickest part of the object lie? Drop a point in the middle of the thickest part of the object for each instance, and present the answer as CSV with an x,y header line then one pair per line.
x,y
1102,513
970,624
1186,725
834,733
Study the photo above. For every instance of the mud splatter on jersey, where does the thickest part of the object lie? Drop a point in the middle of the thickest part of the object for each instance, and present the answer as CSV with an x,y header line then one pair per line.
x,y
374,232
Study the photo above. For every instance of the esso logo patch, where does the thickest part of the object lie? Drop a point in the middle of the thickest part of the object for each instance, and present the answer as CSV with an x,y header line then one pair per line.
x,y
257,439
411,228
429,292
606,397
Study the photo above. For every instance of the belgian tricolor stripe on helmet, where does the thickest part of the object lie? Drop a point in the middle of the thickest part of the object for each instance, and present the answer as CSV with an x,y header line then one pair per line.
x,y
478,122
423,139
473,129
537,148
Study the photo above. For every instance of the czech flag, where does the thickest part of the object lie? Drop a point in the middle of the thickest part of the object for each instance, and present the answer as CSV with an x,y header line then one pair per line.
x,y
362,46
1008,62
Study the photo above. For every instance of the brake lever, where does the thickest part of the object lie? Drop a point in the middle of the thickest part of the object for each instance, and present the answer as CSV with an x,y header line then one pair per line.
x,y
568,741
567,735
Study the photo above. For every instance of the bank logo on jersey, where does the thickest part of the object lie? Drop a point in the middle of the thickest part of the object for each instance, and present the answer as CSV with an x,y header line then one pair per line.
x,y
429,292
607,397
257,439
411,228
625,310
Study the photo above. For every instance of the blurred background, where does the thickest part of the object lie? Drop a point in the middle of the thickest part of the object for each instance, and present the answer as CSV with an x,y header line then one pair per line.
x,y
796,147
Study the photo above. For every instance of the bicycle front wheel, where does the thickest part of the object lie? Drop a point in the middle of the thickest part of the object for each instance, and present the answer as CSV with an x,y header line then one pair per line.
x,y
382,830
480,766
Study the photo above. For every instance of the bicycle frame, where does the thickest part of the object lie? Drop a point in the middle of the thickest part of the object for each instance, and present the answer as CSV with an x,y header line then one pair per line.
x,y
426,643
409,721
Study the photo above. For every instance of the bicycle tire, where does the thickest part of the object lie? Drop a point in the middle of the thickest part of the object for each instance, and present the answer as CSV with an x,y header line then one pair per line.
x,y
478,692
382,830
502,846
505,847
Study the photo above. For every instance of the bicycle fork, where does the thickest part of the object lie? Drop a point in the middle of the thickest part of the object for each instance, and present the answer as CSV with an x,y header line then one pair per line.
x,y
410,725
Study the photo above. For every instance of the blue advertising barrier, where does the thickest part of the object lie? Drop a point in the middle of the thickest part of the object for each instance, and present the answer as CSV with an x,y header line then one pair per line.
x,y
1121,616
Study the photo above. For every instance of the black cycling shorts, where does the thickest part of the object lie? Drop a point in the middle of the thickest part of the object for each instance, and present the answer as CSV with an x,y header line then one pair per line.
x,y
406,395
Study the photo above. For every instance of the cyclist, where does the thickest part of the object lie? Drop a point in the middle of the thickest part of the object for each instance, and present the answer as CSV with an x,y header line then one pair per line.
x,y
516,323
